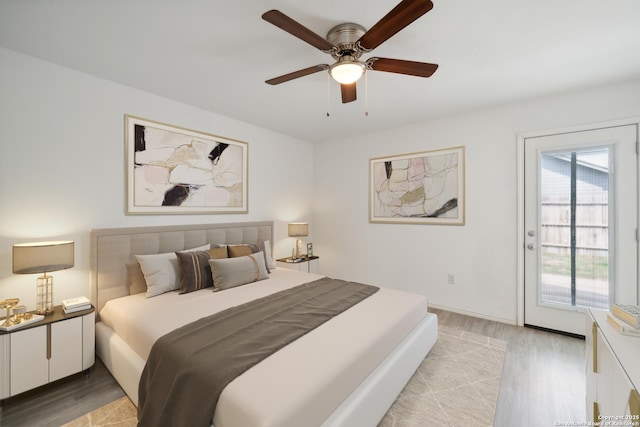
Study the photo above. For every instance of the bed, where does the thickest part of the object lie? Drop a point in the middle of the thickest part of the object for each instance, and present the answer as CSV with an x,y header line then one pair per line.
x,y
325,378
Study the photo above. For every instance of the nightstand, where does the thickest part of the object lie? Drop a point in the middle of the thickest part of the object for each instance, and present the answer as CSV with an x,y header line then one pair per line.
x,y
38,353
307,265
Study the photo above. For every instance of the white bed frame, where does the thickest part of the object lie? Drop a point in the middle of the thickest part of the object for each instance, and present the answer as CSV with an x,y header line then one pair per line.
x,y
113,255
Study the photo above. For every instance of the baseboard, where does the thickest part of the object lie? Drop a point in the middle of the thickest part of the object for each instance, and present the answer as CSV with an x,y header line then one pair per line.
x,y
474,314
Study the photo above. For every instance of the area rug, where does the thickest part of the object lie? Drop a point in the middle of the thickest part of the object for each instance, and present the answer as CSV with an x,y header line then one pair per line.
x,y
456,385
120,413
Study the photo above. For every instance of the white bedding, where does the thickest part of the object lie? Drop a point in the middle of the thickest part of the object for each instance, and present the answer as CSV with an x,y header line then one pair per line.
x,y
302,383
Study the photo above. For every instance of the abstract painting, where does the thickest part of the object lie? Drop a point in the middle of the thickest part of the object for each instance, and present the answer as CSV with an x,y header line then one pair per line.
x,y
419,188
172,170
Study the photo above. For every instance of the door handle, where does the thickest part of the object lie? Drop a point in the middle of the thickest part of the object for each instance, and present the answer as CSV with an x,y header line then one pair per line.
x,y
531,246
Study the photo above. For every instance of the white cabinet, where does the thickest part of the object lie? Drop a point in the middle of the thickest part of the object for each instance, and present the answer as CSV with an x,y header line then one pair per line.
x,y
613,373
307,265
58,346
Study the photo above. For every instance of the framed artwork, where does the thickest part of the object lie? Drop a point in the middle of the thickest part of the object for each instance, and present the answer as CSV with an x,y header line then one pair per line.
x,y
418,188
173,170
309,249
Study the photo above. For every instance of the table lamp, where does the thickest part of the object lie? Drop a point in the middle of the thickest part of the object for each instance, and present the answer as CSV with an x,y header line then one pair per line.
x,y
298,229
43,257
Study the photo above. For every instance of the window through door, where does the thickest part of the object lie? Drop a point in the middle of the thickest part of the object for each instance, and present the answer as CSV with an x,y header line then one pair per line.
x,y
574,228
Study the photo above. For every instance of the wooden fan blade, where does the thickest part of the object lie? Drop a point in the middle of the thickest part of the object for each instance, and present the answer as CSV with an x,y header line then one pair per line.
x,y
348,92
292,27
399,66
400,16
297,74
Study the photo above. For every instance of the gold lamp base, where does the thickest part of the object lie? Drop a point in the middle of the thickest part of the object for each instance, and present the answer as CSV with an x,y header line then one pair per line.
x,y
44,297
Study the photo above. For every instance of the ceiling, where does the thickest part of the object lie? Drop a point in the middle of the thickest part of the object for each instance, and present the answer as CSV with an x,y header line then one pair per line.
x,y
216,54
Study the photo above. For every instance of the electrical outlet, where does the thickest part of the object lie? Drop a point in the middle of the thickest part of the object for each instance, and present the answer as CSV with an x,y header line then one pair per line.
x,y
451,278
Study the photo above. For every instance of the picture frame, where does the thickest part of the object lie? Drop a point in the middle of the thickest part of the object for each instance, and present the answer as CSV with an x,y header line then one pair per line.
x,y
426,187
309,250
174,170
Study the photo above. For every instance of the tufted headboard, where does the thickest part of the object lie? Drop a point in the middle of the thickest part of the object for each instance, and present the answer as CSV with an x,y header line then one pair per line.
x,y
115,271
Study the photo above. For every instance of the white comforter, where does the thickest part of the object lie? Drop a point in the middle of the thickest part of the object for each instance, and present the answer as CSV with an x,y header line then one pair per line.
x,y
302,383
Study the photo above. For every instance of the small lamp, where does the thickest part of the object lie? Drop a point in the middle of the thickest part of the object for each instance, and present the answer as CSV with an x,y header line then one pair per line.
x,y
298,229
43,257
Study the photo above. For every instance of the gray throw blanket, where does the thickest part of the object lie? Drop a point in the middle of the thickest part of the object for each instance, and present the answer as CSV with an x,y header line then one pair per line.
x,y
188,368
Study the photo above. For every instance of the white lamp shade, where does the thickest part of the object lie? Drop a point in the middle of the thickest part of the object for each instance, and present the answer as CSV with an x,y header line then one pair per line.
x,y
298,229
42,257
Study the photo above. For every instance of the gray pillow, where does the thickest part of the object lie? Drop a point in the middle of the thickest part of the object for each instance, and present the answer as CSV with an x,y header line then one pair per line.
x,y
195,273
231,272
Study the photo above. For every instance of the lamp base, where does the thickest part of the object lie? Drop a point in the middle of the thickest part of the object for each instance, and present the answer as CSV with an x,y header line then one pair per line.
x,y
44,296
298,251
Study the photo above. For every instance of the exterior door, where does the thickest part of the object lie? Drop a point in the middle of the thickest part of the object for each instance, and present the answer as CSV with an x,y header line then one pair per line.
x,y
581,221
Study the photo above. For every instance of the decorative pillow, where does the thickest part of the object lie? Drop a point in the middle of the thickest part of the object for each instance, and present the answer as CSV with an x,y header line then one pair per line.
x,y
194,269
252,248
218,252
161,271
231,272
266,248
238,250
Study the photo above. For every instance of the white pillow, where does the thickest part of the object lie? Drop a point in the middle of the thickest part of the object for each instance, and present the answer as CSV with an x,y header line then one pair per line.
x,y
267,255
161,271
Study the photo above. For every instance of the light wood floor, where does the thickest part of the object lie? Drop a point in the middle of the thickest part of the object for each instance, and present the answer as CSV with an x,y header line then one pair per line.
x,y
543,380
542,385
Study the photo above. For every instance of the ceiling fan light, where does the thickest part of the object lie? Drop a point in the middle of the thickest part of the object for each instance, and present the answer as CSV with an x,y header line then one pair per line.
x,y
347,72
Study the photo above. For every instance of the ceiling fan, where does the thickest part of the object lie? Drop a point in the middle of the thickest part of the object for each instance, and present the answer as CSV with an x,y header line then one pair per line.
x,y
346,43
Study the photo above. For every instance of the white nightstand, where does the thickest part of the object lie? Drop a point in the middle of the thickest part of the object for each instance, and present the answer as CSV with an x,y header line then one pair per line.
x,y
308,265
53,348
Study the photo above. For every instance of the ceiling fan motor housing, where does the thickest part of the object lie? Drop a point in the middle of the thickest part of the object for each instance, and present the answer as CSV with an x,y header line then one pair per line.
x,y
344,38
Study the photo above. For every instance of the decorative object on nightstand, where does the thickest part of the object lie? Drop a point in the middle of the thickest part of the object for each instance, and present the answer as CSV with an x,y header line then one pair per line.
x,y
298,229
622,327
309,250
8,304
72,305
17,315
628,313
43,257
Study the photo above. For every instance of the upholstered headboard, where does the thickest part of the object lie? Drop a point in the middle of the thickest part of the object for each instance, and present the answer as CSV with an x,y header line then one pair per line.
x,y
115,270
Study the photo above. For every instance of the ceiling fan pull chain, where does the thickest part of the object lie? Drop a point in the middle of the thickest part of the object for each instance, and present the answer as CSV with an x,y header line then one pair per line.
x,y
328,92
366,94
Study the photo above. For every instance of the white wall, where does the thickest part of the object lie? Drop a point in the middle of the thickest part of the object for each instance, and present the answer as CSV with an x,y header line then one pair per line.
x,y
62,166
482,253
62,173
